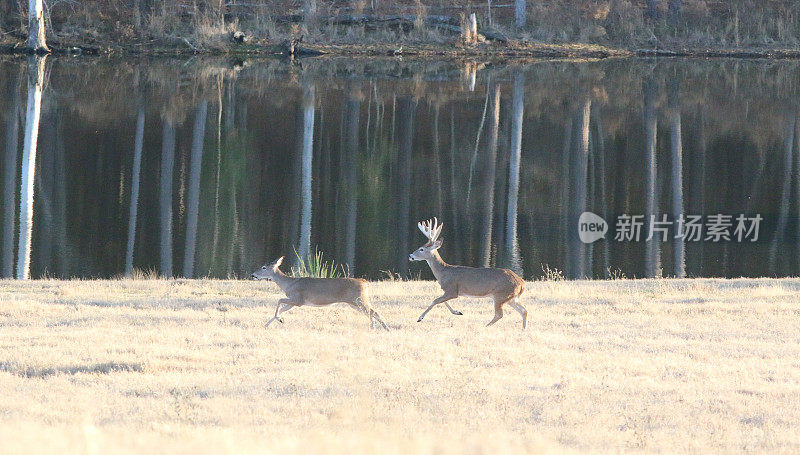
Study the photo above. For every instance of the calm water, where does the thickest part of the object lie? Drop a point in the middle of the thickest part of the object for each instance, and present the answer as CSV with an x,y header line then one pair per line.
x,y
241,162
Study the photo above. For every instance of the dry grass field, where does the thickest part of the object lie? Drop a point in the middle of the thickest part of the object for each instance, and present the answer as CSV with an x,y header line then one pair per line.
x,y
149,366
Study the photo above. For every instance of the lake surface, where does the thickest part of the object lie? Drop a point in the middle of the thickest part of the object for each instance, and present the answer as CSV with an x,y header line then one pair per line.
x,y
239,162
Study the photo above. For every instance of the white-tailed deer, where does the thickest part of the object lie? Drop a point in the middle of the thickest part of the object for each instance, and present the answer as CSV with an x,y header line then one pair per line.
x,y
317,292
503,285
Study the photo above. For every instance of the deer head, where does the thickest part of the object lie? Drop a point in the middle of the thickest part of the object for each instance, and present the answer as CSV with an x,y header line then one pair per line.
x,y
431,229
267,272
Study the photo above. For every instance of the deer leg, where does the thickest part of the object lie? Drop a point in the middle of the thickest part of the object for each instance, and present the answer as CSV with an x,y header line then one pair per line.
x,y
361,308
498,310
456,312
283,306
521,310
439,300
373,313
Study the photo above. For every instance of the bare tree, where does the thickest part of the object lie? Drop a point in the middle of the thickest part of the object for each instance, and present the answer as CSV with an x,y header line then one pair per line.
x,y
36,66
193,205
486,178
517,114
579,191
676,144
519,13
405,134
165,196
138,143
652,8
10,179
652,254
307,168
350,160
674,7
786,194
36,27
599,157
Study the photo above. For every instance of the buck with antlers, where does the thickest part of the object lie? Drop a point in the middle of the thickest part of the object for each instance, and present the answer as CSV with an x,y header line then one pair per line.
x,y
317,292
503,285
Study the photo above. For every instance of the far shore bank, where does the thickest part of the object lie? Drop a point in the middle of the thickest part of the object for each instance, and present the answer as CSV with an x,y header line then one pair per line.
x,y
434,50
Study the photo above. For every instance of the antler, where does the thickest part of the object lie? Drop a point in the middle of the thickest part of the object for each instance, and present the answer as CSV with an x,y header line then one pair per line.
x,y
431,229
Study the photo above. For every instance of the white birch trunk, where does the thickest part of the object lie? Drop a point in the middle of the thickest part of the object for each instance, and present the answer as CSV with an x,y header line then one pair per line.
x,y
306,169
676,143
36,27
512,247
405,134
652,250
487,173
10,179
193,203
35,86
578,263
165,196
135,173
786,194
519,13
352,155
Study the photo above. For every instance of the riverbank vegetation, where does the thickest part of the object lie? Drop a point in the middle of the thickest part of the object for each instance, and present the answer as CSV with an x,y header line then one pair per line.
x,y
426,27
663,366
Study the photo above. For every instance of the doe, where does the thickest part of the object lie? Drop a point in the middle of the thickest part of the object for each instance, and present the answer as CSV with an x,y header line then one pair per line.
x,y
317,292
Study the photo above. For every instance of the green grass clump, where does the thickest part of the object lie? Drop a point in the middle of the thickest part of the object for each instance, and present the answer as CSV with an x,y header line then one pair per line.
x,y
315,266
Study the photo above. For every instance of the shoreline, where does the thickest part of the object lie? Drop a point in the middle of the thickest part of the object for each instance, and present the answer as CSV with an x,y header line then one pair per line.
x,y
511,50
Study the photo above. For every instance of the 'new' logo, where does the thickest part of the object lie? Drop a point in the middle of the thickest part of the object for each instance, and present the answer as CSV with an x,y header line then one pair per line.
x,y
591,227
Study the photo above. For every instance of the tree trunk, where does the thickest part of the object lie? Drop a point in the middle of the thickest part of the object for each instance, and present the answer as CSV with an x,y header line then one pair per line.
x,y
599,155
676,144
674,7
652,252
566,147
487,166
578,188
519,13
165,196
652,9
454,196
350,155
63,256
699,195
135,174
10,179
42,247
310,9
405,132
512,247
786,193
307,169
36,27
215,236
193,200
36,66
437,163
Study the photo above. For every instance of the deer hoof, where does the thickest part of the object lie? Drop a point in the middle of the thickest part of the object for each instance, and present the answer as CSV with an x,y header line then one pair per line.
x,y
458,313
419,320
280,320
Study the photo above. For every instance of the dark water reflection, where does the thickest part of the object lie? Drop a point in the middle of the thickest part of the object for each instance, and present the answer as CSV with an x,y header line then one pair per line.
x,y
211,167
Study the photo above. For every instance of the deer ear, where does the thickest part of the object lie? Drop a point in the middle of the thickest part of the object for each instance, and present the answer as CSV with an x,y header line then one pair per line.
x,y
278,262
436,245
